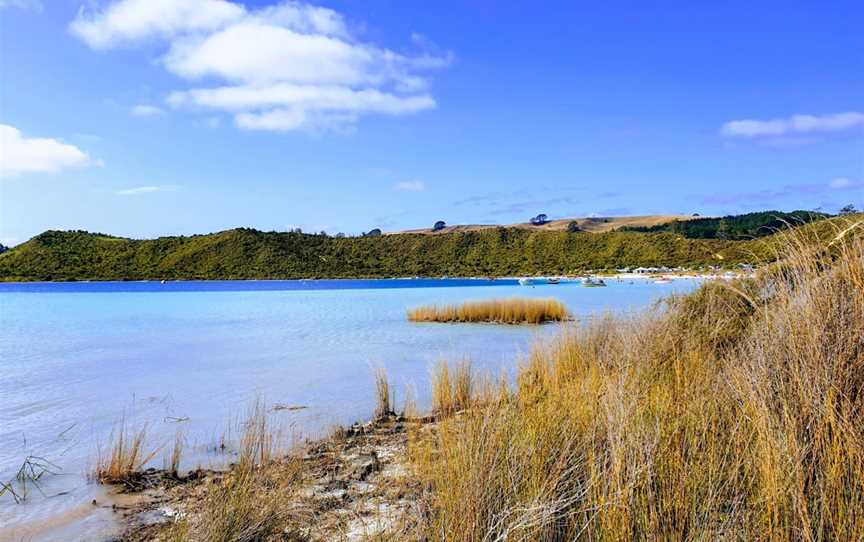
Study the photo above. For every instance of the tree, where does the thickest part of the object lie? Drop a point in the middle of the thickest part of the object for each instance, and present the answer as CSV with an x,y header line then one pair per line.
x,y
440,225
573,227
3,248
540,219
848,210
372,233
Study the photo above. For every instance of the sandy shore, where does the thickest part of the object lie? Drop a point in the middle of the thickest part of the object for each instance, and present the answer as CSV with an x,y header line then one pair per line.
x,y
353,485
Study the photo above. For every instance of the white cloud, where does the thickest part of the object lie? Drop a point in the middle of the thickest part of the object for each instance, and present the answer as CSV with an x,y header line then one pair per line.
x,y
19,154
285,67
22,4
794,125
146,111
130,21
138,190
413,185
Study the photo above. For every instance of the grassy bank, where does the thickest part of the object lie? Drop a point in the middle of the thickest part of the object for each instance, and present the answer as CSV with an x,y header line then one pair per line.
x,y
734,414
499,311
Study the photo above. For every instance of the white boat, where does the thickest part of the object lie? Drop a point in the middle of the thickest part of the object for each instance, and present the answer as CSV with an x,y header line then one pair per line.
x,y
553,280
591,282
662,281
524,281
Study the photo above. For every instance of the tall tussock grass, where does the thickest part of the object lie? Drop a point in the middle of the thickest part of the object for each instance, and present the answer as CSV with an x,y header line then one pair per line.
x,y
500,311
734,413
125,459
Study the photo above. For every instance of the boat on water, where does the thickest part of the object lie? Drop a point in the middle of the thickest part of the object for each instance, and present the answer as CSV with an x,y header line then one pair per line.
x,y
524,281
591,282
662,281
553,280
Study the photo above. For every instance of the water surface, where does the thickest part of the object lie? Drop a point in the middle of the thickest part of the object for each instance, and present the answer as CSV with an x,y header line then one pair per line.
x,y
76,358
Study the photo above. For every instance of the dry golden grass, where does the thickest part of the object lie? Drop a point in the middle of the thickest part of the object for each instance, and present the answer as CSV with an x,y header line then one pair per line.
x,y
123,463
733,413
500,311
383,399
172,461
256,499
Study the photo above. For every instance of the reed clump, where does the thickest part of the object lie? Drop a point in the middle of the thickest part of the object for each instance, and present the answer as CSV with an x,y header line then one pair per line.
x,y
732,413
383,399
499,311
126,458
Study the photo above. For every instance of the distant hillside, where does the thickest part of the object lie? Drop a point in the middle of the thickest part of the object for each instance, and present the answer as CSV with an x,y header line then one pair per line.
x,y
251,254
740,227
597,224
248,254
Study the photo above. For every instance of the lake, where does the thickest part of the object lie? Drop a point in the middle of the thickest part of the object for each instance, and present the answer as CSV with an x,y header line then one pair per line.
x,y
77,359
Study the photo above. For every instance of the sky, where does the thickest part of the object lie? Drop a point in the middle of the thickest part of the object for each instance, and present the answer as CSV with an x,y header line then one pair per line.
x,y
145,118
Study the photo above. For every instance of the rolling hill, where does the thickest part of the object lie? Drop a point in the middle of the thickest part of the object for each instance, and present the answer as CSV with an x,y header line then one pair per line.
x,y
251,254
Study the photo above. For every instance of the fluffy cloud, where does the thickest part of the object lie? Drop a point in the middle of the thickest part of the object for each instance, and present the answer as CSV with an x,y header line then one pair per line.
x,y
413,185
285,67
794,125
130,21
19,154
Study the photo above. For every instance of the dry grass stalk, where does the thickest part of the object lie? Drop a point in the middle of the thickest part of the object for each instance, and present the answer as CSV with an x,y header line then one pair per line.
x,y
452,387
499,311
383,399
722,416
126,458
172,462
260,442
409,410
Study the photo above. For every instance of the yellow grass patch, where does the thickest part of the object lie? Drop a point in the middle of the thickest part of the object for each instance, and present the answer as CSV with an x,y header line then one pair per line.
x,y
516,310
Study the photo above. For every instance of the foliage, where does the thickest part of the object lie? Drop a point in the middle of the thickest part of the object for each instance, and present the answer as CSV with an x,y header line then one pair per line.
x,y
440,225
738,227
539,220
252,254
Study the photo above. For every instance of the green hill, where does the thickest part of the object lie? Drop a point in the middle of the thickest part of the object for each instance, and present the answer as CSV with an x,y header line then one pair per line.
x,y
250,254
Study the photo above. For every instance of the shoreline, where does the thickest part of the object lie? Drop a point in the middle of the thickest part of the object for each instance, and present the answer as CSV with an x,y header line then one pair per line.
x,y
565,278
351,485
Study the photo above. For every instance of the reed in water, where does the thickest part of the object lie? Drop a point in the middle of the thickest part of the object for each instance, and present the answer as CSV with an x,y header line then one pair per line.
x,y
499,311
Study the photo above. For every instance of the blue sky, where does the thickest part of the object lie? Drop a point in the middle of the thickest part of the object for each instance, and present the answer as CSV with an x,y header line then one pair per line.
x,y
156,117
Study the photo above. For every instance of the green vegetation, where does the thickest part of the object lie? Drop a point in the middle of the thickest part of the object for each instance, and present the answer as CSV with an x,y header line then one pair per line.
x,y
251,254
739,227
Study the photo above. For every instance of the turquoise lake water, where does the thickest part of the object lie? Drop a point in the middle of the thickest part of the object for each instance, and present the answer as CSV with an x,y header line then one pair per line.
x,y
77,358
